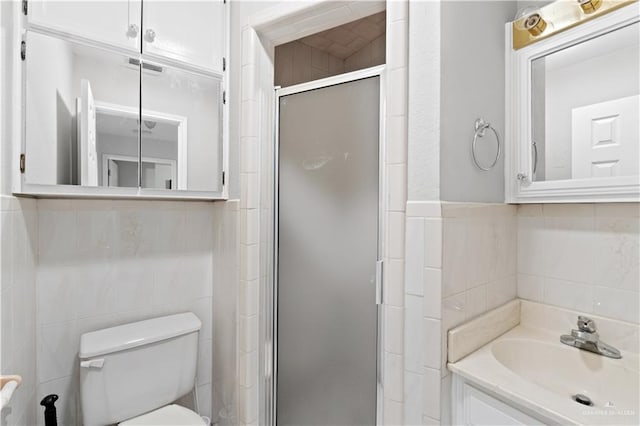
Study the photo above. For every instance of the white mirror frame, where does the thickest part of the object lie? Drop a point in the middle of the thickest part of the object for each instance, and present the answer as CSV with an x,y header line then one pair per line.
x,y
519,188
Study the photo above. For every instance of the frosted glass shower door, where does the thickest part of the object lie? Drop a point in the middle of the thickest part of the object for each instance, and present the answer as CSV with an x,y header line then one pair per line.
x,y
327,252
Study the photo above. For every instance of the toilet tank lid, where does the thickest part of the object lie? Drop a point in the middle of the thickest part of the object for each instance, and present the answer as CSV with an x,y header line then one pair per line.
x,y
136,334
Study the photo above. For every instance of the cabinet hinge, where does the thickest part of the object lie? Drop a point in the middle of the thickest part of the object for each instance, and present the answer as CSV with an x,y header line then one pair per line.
x,y
23,50
224,97
23,161
224,63
223,178
25,7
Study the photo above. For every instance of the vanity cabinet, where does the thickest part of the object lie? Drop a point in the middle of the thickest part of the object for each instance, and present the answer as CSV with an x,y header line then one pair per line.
x,y
114,22
122,99
191,32
472,406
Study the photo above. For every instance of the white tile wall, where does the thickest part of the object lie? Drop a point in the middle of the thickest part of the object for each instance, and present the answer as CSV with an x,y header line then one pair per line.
x,y
422,313
465,260
18,257
581,256
226,221
394,192
104,263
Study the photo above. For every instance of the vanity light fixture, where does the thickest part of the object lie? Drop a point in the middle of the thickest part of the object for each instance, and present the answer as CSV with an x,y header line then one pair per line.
x,y
589,6
535,24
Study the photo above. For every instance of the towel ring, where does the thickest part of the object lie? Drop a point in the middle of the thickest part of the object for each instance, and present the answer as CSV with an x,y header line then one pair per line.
x,y
481,126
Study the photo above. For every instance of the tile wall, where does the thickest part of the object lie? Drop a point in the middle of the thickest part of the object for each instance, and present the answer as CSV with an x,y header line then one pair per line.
x,y
104,263
461,262
373,53
295,62
18,258
226,253
394,196
581,256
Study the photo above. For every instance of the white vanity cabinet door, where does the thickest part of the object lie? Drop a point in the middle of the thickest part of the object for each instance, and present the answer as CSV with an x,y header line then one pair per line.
x,y
473,407
113,22
191,32
483,410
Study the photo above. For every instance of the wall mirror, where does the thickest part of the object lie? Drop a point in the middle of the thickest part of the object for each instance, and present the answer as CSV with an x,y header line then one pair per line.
x,y
585,115
575,122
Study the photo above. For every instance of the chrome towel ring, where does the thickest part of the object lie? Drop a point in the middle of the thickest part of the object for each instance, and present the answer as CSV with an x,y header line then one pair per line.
x,y
481,126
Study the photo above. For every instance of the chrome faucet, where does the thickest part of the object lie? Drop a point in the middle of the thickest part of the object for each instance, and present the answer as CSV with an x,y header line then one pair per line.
x,y
587,338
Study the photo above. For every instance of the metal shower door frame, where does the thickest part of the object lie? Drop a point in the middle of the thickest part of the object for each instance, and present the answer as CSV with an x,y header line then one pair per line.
x,y
271,341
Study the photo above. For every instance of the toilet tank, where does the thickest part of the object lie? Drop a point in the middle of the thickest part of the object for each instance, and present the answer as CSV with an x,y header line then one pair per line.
x,y
135,368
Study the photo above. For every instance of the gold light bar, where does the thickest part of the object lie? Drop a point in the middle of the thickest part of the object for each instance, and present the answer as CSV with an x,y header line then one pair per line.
x,y
561,15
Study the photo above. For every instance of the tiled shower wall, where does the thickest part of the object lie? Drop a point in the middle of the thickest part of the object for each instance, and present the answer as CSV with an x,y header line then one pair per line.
x,y
295,62
373,53
18,257
581,256
461,262
103,263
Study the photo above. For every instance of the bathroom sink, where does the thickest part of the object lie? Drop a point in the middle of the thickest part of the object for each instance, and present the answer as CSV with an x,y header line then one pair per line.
x,y
529,368
567,371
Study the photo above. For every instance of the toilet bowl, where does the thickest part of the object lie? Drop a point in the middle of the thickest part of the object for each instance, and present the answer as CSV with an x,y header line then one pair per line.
x,y
171,415
131,374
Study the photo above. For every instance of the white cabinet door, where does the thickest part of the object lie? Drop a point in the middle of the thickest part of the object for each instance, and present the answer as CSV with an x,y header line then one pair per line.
x,y
114,22
192,32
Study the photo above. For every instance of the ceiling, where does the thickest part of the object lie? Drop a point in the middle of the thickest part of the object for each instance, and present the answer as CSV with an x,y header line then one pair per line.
x,y
347,39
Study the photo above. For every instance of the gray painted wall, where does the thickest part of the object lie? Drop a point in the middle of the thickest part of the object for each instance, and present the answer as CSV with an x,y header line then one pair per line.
x,y
472,86
423,159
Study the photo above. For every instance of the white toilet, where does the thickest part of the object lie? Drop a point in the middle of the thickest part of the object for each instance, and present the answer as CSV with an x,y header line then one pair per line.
x,y
130,373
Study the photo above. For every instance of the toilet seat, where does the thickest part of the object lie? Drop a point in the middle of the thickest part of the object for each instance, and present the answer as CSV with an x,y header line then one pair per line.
x,y
171,415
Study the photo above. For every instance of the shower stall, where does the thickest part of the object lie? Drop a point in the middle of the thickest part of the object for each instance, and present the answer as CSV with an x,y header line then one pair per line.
x,y
327,266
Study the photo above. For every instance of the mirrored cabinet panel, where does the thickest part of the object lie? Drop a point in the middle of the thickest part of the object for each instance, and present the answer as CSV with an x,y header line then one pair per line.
x,y
73,96
181,134
585,108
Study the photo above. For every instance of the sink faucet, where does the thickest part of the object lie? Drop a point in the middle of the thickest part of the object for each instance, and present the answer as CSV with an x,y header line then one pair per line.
x,y
586,338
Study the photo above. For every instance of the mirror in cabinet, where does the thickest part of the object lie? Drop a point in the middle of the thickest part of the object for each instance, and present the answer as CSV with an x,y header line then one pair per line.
x,y
64,137
574,125
585,115
97,118
190,105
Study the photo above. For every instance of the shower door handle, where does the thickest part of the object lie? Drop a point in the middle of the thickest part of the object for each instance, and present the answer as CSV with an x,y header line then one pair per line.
x,y
379,290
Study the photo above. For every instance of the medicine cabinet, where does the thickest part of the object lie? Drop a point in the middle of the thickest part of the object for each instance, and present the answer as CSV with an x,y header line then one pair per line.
x,y
124,99
573,112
